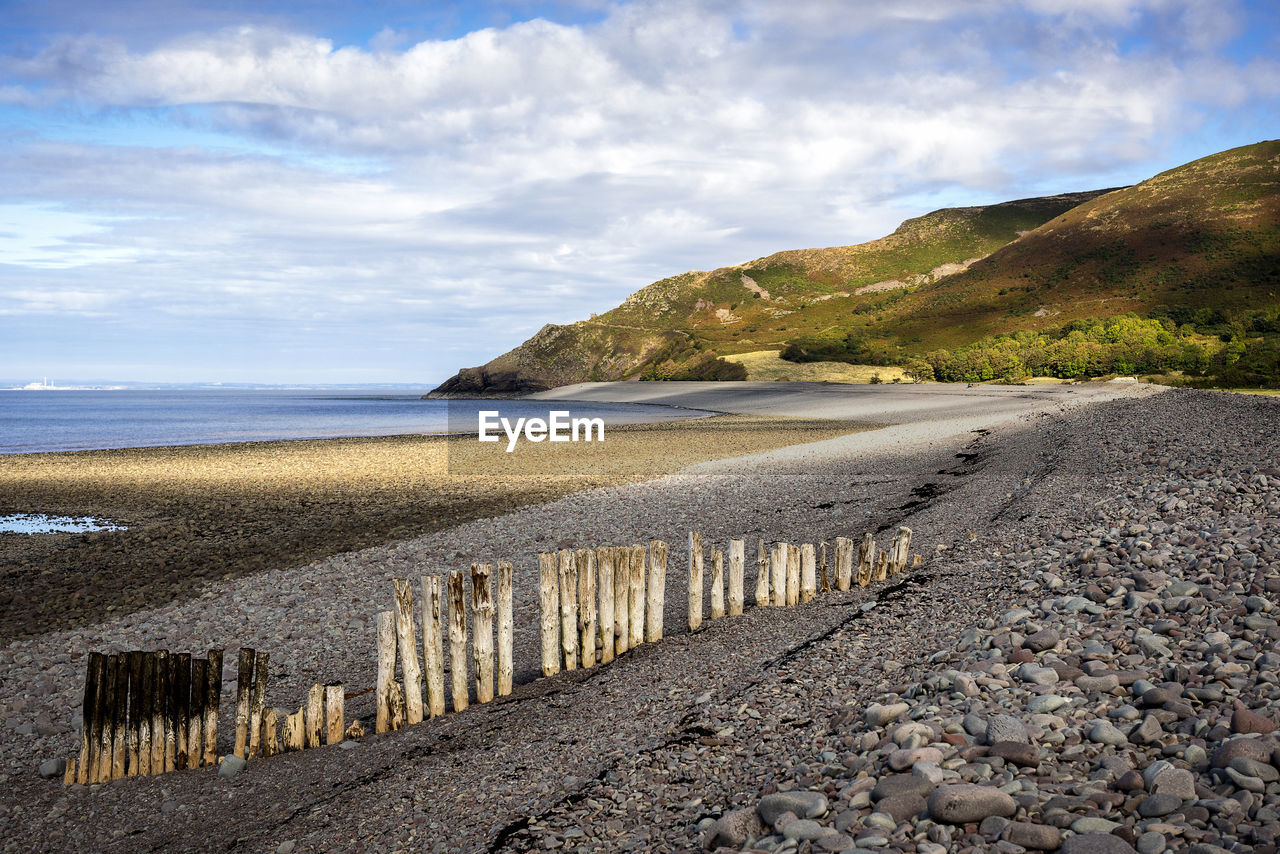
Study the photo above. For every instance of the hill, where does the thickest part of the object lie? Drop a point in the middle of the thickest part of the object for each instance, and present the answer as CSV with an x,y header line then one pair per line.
x,y
1194,245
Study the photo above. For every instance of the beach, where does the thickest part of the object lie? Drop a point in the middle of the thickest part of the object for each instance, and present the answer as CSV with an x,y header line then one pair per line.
x,y
999,486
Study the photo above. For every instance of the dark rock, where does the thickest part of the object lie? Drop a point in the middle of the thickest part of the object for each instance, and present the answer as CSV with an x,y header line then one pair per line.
x,y
1039,837
1245,721
1096,843
902,807
1022,755
901,784
964,802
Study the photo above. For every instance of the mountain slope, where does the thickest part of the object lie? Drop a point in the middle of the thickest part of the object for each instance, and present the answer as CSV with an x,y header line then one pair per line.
x,y
1203,236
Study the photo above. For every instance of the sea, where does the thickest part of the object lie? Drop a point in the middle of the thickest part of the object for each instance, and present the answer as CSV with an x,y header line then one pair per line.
x,y
38,420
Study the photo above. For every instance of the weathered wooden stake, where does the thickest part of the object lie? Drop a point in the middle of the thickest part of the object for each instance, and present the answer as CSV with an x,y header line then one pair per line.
x,y
866,560
793,575
717,584
824,580
270,731
146,697
386,628
458,639
160,711
585,567
778,573
808,573
244,685
763,596
90,722
844,563
120,719
656,593
195,721
258,703
182,708
407,642
396,701
568,608
606,572
100,772
134,724
695,581
737,561
482,645
313,719
213,701
635,620
882,566
334,703
433,643
549,605
295,732
69,773
901,550
506,666
622,600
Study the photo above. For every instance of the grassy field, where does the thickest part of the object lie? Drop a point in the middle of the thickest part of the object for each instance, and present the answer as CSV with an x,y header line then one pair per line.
x,y
766,366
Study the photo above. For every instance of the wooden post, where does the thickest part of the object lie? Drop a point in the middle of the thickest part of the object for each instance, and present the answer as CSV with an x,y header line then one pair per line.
x,y
100,770
134,723
258,703
90,718
717,584
506,621
778,571
146,697
585,567
407,641
294,732
621,600
606,572
568,608
171,715
866,560
433,643
182,707
549,604
334,702
313,719
159,711
656,593
120,717
695,581
213,701
244,685
763,596
901,550
270,732
458,639
808,573
386,628
482,645
635,620
882,566
396,703
195,720
824,580
737,561
69,773
793,575
844,563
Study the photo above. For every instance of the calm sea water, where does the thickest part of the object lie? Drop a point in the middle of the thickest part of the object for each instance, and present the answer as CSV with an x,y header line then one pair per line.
x,y
32,421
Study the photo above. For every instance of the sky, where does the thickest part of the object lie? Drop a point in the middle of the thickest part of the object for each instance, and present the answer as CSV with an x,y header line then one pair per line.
x,y
342,192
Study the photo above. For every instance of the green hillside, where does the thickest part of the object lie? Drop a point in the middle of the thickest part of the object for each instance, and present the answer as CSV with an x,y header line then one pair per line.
x,y
1197,246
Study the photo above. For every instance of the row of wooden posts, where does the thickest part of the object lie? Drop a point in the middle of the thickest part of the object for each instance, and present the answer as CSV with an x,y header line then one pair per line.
x,y
152,712
609,599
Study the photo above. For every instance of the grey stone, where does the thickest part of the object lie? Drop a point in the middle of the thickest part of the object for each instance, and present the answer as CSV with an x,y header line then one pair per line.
x,y
902,807
1093,824
804,804
1178,782
1151,842
1096,843
733,828
1006,728
1046,704
1099,684
805,828
902,784
51,768
231,765
1264,771
1148,732
1104,733
1154,806
1038,837
879,715
286,847
1257,749
964,802
1043,640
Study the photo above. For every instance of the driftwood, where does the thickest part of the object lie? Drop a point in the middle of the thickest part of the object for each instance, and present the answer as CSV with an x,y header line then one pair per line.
x,y
622,600
295,731
386,637
737,560
606,574
882,566
334,702
900,550
808,573
585,568
763,597
270,732
778,574
458,640
482,644
635,597
717,584
866,560
844,563
244,687
568,608
313,717
824,580
407,644
793,575
433,643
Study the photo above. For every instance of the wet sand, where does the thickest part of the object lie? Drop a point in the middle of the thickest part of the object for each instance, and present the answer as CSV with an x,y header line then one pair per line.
x,y
200,514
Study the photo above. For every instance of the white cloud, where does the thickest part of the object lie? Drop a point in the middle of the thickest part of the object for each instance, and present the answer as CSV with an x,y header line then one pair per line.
x,y
483,185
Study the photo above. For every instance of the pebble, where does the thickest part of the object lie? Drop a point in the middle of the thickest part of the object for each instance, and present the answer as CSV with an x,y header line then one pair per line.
x,y
803,803
230,766
963,802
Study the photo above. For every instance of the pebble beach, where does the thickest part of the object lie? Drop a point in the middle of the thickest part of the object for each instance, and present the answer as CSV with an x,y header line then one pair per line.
x,y
1084,660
